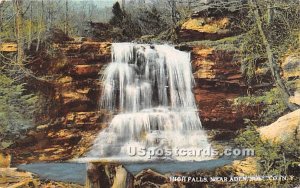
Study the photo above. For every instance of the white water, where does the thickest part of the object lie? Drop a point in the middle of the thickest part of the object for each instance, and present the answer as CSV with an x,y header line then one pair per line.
x,y
150,87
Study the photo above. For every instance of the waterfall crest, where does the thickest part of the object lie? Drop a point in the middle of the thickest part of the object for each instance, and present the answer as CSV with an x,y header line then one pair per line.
x,y
150,87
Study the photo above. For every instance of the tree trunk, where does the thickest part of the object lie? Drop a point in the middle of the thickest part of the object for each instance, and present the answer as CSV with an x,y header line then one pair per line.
x,y
19,31
1,15
40,23
273,65
30,27
174,11
67,19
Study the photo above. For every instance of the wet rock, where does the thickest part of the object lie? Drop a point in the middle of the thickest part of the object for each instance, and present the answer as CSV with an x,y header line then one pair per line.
x,y
104,175
150,178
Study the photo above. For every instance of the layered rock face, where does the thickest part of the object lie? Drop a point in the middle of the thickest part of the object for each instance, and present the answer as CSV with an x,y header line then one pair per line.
x,y
74,95
216,69
79,85
209,24
218,82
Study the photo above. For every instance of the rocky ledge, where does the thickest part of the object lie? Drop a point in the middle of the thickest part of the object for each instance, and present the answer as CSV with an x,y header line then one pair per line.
x,y
74,118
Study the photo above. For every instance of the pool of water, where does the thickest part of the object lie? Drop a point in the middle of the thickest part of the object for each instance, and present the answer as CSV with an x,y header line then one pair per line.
x,y
76,172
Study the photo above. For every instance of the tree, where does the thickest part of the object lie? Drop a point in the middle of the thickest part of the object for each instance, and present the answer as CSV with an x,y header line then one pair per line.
x,y
19,31
174,11
273,65
118,15
30,25
1,15
16,108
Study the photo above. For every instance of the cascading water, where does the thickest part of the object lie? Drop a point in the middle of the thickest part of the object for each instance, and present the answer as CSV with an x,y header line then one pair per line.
x,y
150,87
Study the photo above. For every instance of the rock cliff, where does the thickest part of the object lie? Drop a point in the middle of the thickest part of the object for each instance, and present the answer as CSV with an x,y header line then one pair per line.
x,y
213,42
73,94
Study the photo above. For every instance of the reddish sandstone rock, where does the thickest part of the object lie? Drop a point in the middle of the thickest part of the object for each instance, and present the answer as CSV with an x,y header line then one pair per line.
x,y
218,82
73,102
86,118
86,51
86,70
216,108
216,66
205,28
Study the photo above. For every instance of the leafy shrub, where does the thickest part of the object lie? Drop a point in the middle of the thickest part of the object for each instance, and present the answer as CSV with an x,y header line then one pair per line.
x,y
271,102
16,109
274,158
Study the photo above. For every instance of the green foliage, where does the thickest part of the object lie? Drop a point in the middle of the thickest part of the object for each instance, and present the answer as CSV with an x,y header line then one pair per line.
x,y
271,102
274,158
280,23
252,55
16,108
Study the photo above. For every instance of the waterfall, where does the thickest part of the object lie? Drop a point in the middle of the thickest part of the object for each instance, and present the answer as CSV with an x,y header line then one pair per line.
x,y
150,89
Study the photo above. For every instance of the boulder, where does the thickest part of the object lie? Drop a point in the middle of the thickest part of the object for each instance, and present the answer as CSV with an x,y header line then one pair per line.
x,y
150,178
104,175
286,128
10,177
5,160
